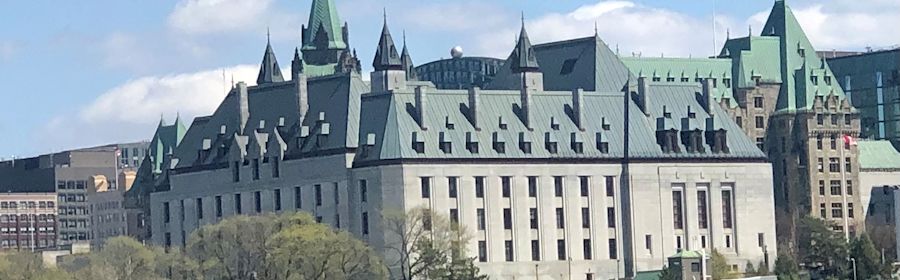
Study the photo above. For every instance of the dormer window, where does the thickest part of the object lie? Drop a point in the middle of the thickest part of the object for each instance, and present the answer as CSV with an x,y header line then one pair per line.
x,y
418,142
502,123
691,114
666,113
814,79
603,124
717,141
471,143
449,123
670,79
262,124
554,124
727,82
499,143
685,79
236,171
668,141
524,143
577,143
801,52
276,167
255,169
551,144
827,80
656,79
693,141
444,144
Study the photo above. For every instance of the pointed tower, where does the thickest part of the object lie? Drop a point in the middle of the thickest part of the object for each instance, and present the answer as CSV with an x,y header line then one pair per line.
x,y
323,38
269,72
522,57
389,73
407,63
524,67
296,65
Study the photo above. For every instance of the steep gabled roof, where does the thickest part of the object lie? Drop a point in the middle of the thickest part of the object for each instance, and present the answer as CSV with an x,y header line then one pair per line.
x,y
386,56
324,21
269,71
522,58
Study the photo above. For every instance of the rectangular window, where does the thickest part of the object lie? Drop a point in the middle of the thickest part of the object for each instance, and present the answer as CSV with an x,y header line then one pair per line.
x,y
298,198
508,250
276,167
482,251
560,218
479,187
850,210
835,187
613,249
848,167
610,186
255,169
834,142
452,186
648,242
237,204
532,186
218,206
479,213
533,217
181,210
587,249
365,222
236,171
507,218
610,217
821,164
558,186
585,185
561,249
760,122
821,187
535,250
819,142
426,186
758,102
849,187
677,208
166,211
277,199
761,143
454,217
257,201
505,185
585,217
199,205
702,209
318,189
837,210
363,190
822,211
727,211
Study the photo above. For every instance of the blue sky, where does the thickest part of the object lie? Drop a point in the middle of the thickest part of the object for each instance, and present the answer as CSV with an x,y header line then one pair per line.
x,y
84,73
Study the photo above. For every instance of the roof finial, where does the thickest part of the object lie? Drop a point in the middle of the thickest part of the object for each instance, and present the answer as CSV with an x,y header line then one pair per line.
x,y
268,35
384,14
404,37
750,30
595,28
523,18
728,33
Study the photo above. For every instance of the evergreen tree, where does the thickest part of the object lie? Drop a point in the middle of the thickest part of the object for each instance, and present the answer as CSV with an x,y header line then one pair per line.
x,y
868,260
786,267
820,245
668,273
762,269
749,270
720,269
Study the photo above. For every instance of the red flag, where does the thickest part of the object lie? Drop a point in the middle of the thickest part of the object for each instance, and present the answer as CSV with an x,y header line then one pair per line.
x,y
849,140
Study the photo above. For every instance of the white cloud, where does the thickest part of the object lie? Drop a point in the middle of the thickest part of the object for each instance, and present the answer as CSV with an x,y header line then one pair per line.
x,y
217,16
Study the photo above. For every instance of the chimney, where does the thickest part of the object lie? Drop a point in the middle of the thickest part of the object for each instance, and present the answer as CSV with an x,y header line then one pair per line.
x,y
578,107
421,102
302,96
474,93
243,106
643,91
525,106
707,96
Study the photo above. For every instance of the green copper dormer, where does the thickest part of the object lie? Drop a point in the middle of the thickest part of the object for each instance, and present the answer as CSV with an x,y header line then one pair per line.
x,y
324,30
386,56
803,75
165,139
269,72
522,58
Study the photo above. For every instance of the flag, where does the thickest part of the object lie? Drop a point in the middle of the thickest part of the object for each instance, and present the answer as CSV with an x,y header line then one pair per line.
x,y
849,141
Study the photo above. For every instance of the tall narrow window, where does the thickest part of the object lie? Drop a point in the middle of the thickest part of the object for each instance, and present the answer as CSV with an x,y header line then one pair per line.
x,y
585,217
454,217
479,187
821,187
613,249
532,186
677,208
426,186
199,205
585,185
256,169
298,198
507,218
318,189
277,200
610,186
727,210
535,250
508,250
835,187
588,253
236,171
482,251
558,186
218,206
257,199
505,185
238,204
560,218
276,167
363,190
452,187
365,222
166,211
479,215
561,249
610,217
702,209
533,218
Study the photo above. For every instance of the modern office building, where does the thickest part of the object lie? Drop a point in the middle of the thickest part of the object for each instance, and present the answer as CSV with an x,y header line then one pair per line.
x,y
872,83
66,174
459,72
790,103
879,188
28,221
593,172
108,215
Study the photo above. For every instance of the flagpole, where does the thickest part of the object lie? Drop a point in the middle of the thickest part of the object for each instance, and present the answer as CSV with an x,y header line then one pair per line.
x,y
844,143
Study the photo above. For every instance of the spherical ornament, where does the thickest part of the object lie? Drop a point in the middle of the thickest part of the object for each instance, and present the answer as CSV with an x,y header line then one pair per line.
x,y
456,52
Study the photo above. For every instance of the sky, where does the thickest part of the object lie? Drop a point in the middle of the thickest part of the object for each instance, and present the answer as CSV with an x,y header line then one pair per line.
x,y
86,73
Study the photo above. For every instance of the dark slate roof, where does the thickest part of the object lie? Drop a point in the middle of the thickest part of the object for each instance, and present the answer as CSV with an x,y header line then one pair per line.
x,y
269,72
522,58
407,63
386,56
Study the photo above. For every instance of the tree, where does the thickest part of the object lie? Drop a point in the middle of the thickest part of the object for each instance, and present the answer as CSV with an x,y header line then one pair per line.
x,y
821,246
424,244
26,266
868,259
720,269
786,267
175,265
327,254
762,269
749,270
668,273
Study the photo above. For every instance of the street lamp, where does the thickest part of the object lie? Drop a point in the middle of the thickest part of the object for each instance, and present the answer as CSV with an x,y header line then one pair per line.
x,y
853,261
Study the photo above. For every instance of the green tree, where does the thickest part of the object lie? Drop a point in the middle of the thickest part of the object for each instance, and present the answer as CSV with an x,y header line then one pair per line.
x,y
786,267
749,269
26,266
720,268
820,245
868,260
327,254
668,273
762,269
173,264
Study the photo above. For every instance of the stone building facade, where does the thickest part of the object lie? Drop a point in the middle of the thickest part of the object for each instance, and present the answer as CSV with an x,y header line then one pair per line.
x,y
27,221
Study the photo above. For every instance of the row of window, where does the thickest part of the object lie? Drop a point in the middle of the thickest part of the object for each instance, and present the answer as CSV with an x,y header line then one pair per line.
x,y
26,243
25,230
506,186
561,250
73,210
525,145
837,210
71,198
835,119
71,185
703,196
27,218
27,204
725,81
236,168
834,165
835,186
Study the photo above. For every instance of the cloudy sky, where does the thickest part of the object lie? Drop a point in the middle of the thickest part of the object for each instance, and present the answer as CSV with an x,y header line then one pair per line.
x,y
83,73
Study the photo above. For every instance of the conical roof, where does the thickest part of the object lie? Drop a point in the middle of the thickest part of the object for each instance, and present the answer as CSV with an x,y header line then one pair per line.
x,y
522,58
323,16
386,56
269,72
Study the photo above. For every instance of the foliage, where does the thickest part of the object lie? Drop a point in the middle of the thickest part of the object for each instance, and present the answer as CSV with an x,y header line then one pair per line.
x,y
26,266
327,254
720,269
868,259
749,269
427,245
762,269
786,267
668,273
822,247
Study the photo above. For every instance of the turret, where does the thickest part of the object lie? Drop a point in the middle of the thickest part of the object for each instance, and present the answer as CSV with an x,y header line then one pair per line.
x,y
269,72
388,74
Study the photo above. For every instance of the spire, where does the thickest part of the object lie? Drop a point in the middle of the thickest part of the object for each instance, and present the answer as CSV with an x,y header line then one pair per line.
x,y
269,72
386,57
324,21
522,58
406,62
296,65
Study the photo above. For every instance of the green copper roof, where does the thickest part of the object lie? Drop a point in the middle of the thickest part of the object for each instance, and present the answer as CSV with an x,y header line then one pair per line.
x,y
647,275
687,254
878,155
685,70
324,20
